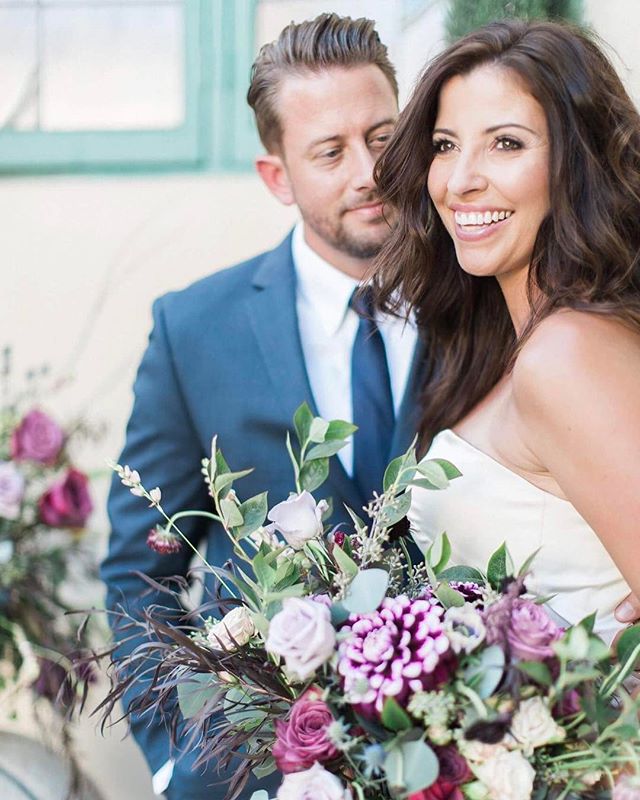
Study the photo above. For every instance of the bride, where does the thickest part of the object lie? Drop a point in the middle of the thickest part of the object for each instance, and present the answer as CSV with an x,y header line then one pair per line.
x,y
514,173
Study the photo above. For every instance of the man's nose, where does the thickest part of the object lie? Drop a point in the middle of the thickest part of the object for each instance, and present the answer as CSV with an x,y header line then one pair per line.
x,y
467,175
362,162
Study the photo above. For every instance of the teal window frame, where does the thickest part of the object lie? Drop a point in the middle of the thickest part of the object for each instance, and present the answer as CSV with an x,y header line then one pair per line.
x,y
218,130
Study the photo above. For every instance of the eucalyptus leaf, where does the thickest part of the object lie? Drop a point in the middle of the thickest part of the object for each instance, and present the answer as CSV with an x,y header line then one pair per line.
x,y
450,470
196,692
260,794
302,420
240,708
433,472
411,766
537,670
265,575
391,473
318,430
339,429
230,513
444,554
227,478
396,510
486,673
314,473
339,614
325,449
461,574
346,564
254,510
449,596
261,771
366,591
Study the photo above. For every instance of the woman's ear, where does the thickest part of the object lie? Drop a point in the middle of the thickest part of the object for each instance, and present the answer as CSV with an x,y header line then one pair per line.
x,y
272,170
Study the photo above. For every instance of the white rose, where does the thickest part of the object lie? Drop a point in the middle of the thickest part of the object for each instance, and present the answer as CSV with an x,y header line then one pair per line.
x,y
464,628
234,629
533,726
507,776
313,784
478,752
298,519
11,490
303,635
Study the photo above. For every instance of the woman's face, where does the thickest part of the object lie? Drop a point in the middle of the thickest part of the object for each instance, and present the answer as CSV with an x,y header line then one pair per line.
x,y
489,179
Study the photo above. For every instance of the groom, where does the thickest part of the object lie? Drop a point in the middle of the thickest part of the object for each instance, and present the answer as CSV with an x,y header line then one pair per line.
x,y
237,352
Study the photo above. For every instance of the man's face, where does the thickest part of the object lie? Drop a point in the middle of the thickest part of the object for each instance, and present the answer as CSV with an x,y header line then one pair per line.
x,y
335,125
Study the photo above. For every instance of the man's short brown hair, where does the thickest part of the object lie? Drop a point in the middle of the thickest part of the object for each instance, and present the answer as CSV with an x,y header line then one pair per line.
x,y
311,46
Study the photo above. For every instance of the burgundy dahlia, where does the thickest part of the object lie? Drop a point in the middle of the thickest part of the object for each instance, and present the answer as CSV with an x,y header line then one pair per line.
x,y
399,649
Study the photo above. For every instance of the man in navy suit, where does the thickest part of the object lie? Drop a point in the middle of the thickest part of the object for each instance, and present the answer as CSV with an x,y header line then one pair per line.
x,y
236,353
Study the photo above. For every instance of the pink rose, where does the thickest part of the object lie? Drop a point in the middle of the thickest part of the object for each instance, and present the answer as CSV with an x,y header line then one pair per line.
x,y
314,783
627,788
302,739
11,490
531,631
37,438
67,504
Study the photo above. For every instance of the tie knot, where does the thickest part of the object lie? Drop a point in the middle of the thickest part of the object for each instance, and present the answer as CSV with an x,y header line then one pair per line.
x,y
362,301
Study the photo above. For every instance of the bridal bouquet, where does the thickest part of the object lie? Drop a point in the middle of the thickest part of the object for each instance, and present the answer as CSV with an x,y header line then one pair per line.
x,y
44,506
358,674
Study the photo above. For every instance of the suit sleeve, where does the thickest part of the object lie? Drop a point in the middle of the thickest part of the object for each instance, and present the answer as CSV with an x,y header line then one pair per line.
x,y
163,446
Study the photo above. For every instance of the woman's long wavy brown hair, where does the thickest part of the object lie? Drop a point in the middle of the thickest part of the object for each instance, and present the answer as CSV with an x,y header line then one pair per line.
x,y
586,255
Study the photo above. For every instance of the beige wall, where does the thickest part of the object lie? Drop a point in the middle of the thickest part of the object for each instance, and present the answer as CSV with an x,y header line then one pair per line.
x,y
81,259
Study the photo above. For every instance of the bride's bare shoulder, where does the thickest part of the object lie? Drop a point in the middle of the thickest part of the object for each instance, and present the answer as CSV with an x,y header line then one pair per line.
x,y
572,353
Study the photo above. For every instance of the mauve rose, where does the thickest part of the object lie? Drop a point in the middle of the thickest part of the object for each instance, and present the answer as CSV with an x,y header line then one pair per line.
x,y
453,765
11,490
37,438
313,784
67,503
303,635
531,631
302,739
440,790
627,788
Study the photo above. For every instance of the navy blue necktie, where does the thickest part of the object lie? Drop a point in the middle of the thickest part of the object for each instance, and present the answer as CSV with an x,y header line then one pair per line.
x,y
371,398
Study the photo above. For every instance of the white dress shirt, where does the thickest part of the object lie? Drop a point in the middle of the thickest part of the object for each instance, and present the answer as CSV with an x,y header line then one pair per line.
x,y
328,328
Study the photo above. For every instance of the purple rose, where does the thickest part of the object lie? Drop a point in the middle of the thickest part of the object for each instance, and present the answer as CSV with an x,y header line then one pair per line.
x,y
11,490
37,438
67,504
531,631
302,739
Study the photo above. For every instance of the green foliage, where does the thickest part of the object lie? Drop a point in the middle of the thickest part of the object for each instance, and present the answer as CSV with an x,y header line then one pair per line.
x,y
464,16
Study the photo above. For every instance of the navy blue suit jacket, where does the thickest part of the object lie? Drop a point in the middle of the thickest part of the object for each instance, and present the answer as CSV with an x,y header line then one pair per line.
x,y
224,357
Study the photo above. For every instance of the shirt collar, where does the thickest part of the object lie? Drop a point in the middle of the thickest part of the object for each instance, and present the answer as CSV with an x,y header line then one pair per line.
x,y
325,290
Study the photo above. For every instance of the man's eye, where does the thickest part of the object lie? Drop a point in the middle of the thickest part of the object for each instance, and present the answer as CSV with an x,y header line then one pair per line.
x,y
442,145
508,143
380,141
330,154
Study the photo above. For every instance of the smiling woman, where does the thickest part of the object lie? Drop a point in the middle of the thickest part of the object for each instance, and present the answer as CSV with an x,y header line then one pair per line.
x,y
520,258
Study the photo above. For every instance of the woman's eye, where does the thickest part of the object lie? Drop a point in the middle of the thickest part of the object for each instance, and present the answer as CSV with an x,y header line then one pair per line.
x,y
507,143
442,146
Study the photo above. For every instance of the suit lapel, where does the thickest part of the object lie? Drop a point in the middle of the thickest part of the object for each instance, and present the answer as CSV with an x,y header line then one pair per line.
x,y
273,317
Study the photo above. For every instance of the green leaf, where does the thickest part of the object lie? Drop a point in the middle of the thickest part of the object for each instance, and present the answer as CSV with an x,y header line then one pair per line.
x,y
445,553
537,670
230,513
339,614
339,429
260,794
196,692
265,575
227,478
434,473
254,510
394,717
314,473
396,510
527,564
486,672
318,430
627,643
240,709
497,570
462,574
449,597
450,470
366,591
588,622
302,420
402,464
410,766
346,564
261,771
325,449
391,473
221,464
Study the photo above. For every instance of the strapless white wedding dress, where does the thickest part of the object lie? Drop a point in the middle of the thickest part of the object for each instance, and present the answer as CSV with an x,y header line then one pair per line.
x,y
490,505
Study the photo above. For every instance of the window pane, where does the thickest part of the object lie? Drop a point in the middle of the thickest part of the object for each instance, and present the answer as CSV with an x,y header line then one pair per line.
x,y
112,68
18,66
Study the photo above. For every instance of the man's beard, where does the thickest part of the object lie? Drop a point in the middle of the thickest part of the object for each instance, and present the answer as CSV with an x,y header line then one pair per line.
x,y
362,244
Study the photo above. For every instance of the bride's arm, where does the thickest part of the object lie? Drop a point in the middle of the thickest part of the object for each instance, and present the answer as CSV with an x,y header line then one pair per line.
x,y
576,387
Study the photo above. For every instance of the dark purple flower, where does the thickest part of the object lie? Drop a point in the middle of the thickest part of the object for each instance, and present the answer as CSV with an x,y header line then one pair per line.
x,y
163,541
53,683
302,739
399,649
440,790
453,765
67,504
471,592
37,438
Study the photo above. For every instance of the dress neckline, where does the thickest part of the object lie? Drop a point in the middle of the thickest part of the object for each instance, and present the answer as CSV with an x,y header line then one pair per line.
x,y
499,464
